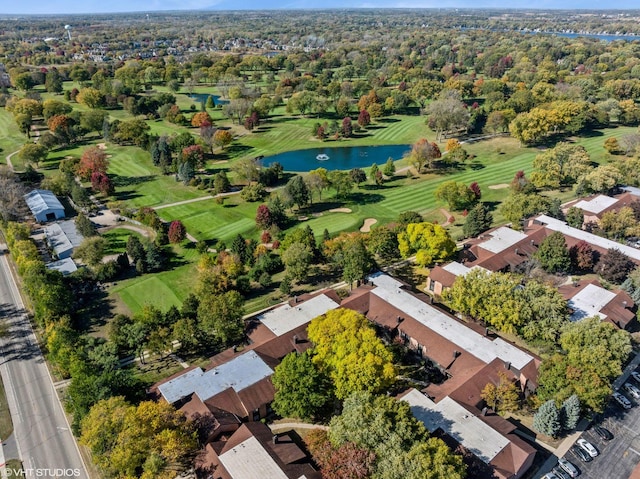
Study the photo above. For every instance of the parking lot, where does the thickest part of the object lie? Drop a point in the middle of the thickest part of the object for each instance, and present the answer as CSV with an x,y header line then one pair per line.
x,y
619,456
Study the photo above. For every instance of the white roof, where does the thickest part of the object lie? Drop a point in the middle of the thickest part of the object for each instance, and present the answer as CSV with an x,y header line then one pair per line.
x,y
441,323
456,268
249,460
41,200
589,301
557,225
501,239
65,266
239,373
286,318
632,189
57,239
474,434
597,204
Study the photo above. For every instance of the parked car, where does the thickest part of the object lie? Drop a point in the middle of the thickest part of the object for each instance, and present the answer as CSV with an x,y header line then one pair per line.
x,y
561,473
603,433
632,390
636,375
581,454
622,400
588,447
550,475
568,467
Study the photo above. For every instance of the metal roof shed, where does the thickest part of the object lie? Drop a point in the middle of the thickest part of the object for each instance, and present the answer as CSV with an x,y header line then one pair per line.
x,y
44,205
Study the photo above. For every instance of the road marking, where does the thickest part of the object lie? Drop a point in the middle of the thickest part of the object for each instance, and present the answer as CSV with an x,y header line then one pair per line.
x,y
629,429
633,450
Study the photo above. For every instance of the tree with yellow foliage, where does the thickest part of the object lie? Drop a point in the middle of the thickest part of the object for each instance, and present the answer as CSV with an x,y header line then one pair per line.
x,y
348,350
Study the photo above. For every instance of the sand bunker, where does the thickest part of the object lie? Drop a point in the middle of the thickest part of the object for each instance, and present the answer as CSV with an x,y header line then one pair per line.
x,y
340,210
500,186
368,223
102,146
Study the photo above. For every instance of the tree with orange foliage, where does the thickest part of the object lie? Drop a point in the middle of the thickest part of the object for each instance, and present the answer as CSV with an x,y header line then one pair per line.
x,y
93,160
200,118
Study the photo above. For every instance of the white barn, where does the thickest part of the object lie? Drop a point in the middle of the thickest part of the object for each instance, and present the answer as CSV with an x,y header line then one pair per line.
x,y
44,205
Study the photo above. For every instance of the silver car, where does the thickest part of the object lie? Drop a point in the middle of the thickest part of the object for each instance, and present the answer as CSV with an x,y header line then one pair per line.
x,y
632,390
568,467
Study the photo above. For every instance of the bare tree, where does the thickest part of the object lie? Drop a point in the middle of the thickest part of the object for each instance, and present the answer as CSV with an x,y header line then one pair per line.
x,y
12,204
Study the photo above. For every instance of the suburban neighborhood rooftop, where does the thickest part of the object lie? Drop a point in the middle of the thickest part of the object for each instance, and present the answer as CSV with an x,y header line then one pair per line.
x,y
589,301
501,239
238,374
558,225
596,205
250,460
459,423
286,318
390,290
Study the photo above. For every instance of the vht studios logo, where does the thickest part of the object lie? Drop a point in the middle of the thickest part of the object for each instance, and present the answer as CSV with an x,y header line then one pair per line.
x,y
56,473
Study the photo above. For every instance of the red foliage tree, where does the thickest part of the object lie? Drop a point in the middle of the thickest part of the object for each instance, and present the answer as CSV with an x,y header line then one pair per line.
x,y
252,121
320,133
345,462
265,237
177,232
193,154
347,127
475,188
263,217
93,160
582,256
102,183
364,119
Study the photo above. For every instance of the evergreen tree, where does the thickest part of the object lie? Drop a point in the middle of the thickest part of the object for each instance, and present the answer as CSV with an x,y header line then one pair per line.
x,y
547,419
570,412
478,220
389,168
239,246
186,172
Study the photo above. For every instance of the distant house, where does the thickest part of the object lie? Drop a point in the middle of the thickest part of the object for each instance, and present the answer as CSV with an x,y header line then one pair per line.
x,y
44,205
595,207
253,452
62,238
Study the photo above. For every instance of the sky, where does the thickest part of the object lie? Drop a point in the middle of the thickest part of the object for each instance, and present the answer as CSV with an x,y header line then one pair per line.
x,y
102,6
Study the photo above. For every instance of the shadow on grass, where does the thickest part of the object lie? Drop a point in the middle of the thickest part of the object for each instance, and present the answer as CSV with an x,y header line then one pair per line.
x,y
96,311
126,195
119,181
234,151
362,198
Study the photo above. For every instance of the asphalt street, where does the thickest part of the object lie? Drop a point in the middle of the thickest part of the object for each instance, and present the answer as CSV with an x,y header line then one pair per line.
x,y
43,440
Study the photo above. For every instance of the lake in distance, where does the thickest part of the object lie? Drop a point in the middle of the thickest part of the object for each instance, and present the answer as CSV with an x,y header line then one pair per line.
x,y
339,158
202,98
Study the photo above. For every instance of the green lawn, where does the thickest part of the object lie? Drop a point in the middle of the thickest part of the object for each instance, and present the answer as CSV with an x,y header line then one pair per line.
x,y
164,289
10,137
117,240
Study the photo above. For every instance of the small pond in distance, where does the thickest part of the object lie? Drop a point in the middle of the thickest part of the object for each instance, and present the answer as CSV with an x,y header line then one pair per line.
x,y
340,158
202,98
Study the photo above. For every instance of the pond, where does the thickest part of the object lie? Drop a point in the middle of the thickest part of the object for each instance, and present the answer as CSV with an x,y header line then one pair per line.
x,y
202,98
337,158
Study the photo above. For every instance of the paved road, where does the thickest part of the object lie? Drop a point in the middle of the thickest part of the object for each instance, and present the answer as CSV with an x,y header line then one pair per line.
x,y
42,435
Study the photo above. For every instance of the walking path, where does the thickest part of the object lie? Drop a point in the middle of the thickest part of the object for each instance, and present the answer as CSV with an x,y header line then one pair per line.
x,y
297,425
